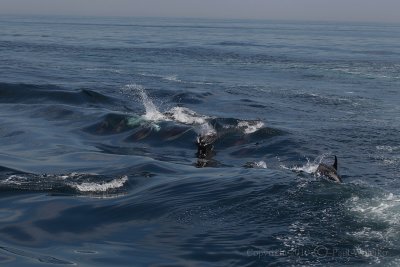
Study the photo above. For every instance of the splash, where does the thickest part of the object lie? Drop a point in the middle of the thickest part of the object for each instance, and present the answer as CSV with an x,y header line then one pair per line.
x,y
178,114
309,167
152,113
205,129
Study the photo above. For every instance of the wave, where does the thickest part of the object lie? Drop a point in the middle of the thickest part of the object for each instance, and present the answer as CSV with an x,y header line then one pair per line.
x,y
51,94
203,124
72,183
176,129
34,255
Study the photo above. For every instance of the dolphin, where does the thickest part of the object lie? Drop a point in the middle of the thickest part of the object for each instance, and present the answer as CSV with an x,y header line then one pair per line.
x,y
329,171
205,149
205,145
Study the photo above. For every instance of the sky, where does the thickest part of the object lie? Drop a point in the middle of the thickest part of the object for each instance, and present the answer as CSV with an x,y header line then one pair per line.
x,y
320,10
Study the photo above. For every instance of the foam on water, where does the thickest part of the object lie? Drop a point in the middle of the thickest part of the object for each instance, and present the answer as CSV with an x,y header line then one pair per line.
x,y
384,209
261,164
189,117
82,182
381,217
297,236
13,179
250,126
101,187
186,116
309,167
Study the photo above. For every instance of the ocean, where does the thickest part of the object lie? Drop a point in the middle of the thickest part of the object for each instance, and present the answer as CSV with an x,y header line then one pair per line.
x,y
99,164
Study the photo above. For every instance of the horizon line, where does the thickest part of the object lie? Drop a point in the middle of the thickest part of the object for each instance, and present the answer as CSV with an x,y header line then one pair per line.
x,y
201,18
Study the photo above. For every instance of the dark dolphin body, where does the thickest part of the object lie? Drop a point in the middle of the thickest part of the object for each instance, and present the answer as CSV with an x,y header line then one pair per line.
x,y
205,149
329,172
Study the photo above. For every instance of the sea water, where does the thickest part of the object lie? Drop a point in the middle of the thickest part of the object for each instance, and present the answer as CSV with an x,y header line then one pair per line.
x,y
99,118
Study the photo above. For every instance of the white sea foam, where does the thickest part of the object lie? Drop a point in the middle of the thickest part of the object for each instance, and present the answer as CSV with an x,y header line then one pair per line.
x,y
260,164
72,175
14,179
309,167
189,117
186,116
384,209
99,186
297,236
381,210
48,182
250,126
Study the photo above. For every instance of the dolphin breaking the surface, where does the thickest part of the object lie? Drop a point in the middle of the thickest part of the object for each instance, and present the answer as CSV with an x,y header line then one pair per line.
x,y
205,149
329,171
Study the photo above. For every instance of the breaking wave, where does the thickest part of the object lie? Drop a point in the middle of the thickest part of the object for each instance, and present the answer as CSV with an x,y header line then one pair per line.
x,y
75,183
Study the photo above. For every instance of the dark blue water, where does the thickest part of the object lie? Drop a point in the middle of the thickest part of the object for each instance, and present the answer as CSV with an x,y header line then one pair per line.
x,y
99,118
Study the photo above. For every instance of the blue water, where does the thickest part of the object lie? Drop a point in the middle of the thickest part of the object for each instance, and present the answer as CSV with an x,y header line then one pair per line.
x,y
99,118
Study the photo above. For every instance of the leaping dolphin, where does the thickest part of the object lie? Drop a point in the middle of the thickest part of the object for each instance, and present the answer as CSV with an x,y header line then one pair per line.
x,y
329,172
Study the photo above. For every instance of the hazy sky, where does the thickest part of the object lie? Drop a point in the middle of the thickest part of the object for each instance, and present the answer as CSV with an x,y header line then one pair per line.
x,y
339,10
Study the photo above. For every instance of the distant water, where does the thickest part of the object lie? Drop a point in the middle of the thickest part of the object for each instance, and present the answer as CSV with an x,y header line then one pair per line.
x,y
99,118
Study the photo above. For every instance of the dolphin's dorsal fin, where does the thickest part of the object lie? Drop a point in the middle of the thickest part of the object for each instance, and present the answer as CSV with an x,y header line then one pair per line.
x,y
335,164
